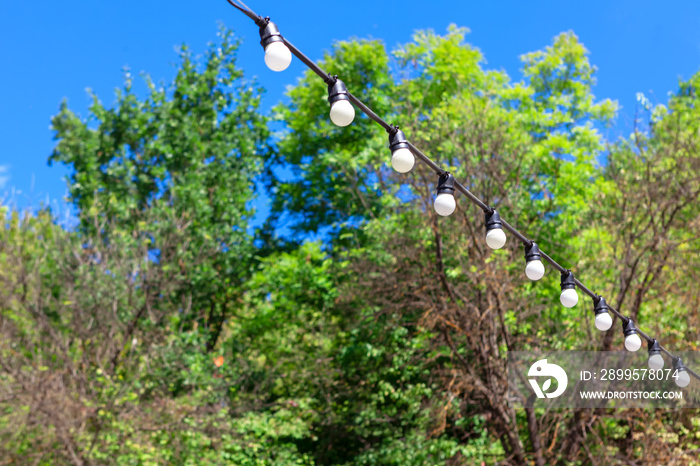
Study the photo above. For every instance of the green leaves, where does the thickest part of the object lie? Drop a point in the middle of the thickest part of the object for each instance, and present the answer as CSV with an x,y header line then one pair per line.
x,y
180,162
335,168
159,332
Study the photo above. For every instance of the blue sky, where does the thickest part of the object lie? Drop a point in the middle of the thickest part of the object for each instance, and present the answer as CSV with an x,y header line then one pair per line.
x,y
56,49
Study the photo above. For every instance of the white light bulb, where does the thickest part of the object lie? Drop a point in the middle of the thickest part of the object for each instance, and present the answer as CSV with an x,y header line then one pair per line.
x,y
342,112
569,297
534,270
656,362
496,238
603,322
402,160
683,379
633,342
445,204
277,56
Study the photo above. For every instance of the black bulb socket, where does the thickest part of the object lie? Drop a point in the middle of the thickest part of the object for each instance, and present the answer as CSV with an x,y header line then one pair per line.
x,y
678,365
628,328
446,184
567,280
532,252
654,348
493,220
269,33
398,141
337,90
601,307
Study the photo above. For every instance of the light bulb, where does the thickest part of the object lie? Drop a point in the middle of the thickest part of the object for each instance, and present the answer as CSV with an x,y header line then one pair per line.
x,y
342,113
656,362
633,342
569,297
603,321
533,256
402,160
534,269
496,238
445,204
277,56
683,379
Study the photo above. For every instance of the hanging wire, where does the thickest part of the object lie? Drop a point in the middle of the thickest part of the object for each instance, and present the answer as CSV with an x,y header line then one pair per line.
x,y
439,171
245,10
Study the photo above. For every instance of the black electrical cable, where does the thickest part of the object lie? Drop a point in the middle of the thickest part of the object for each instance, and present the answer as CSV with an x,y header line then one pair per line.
x,y
246,11
308,62
439,171
370,113
245,6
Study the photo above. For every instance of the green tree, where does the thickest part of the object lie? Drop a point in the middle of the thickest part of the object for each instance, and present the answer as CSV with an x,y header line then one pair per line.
x,y
160,332
528,149
111,334
184,158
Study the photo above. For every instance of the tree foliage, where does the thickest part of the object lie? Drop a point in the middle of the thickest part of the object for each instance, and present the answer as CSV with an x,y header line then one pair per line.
x,y
161,332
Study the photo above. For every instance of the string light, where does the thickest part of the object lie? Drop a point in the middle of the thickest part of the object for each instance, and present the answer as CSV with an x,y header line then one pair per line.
x,y
656,361
682,376
402,158
342,111
603,320
568,297
495,237
534,268
632,340
345,114
445,201
277,55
